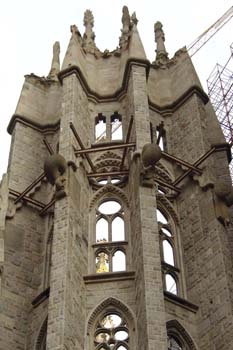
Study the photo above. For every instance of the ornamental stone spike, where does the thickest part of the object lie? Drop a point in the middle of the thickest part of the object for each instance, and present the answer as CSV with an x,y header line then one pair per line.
x,y
126,24
55,66
161,53
89,35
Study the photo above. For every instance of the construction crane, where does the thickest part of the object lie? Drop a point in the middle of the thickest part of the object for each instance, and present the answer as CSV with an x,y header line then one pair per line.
x,y
197,44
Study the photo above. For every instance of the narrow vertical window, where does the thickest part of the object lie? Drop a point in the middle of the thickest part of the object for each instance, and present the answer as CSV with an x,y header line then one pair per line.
x,y
168,255
170,284
109,234
116,127
102,230
100,128
118,229
118,261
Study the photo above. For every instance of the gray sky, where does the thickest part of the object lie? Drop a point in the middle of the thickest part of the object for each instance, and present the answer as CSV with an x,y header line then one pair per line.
x,y
28,29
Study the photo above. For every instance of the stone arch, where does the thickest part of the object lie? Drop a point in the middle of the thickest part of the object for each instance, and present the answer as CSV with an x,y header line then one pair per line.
x,y
175,328
41,338
110,303
165,205
111,190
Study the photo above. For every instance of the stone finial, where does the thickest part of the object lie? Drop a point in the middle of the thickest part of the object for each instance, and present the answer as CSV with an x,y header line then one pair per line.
x,y
161,53
134,18
89,35
55,66
126,27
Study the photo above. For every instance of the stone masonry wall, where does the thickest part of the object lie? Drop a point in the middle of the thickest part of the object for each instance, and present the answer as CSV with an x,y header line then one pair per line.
x,y
203,237
145,236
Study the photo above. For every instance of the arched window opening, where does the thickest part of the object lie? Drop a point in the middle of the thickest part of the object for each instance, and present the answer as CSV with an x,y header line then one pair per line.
x,y
166,232
110,229
161,217
102,230
161,136
118,261
100,128
116,127
171,285
118,229
42,337
168,254
111,332
173,343
102,262
169,251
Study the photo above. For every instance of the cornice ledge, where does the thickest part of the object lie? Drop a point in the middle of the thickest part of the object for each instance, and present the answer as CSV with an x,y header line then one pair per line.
x,y
96,97
175,299
109,277
31,123
170,108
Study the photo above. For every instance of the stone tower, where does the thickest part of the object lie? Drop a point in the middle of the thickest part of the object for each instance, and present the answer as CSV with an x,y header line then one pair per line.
x,y
115,222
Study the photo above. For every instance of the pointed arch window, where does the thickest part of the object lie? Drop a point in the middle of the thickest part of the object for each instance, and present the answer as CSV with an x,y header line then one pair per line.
x,y
168,253
110,244
111,332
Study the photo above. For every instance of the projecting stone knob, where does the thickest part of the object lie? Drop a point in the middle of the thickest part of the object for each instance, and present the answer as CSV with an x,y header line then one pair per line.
x,y
151,154
55,168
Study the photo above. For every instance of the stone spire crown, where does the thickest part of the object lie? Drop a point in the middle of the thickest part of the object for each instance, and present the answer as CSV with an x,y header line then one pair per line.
x,y
161,53
55,66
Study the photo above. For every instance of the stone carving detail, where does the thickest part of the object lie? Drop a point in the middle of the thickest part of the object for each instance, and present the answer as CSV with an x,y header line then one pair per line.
x,y
89,36
108,189
113,304
125,31
161,53
151,154
75,32
108,155
12,208
55,168
161,198
55,66
174,327
134,18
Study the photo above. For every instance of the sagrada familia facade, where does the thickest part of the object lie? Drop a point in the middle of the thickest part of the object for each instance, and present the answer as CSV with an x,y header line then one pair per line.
x,y
115,211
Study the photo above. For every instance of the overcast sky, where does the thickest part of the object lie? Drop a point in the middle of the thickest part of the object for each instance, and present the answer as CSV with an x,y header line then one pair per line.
x,y
28,29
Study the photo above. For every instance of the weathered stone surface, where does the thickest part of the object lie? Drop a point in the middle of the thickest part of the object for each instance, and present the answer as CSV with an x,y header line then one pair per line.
x,y
51,292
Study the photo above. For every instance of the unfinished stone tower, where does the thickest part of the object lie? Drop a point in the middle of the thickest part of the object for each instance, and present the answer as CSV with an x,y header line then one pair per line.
x,y
115,226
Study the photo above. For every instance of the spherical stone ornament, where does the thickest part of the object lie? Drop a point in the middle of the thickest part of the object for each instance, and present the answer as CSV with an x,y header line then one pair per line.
x,y
151,154
54,167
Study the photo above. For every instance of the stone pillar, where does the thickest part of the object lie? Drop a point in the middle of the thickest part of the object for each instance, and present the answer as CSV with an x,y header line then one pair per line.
x,y
145,235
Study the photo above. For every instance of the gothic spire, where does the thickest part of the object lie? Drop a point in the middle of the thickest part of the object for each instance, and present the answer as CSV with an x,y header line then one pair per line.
x,y
136,48
161,53
55,66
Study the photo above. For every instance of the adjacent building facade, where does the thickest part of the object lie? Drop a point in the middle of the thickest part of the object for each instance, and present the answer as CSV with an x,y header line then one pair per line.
x,y
115,222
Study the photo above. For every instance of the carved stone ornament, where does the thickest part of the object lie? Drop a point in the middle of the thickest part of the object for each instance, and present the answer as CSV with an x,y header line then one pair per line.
x,y
89,36
12,208
151,154
55,66
161,53
125,31
55,167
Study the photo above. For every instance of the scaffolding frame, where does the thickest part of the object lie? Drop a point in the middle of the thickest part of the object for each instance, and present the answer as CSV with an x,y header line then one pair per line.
x,y
220,91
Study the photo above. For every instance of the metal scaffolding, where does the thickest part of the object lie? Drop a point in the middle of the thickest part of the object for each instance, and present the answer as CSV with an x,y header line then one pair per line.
x,y
220,90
